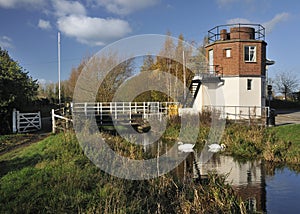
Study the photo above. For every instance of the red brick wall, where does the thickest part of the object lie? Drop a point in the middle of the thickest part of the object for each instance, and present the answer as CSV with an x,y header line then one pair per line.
x,y
235,65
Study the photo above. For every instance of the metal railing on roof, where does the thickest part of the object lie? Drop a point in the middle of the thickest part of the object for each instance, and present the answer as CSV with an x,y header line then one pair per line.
x,y
215,33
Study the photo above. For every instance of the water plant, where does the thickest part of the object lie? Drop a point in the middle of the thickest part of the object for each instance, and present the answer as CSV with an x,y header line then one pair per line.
x,y
54,175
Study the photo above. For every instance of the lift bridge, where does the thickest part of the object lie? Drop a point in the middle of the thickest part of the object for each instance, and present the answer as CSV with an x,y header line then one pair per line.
x,y
108,113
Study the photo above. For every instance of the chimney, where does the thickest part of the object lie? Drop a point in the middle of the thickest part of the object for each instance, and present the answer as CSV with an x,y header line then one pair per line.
x,y
223,35
242,33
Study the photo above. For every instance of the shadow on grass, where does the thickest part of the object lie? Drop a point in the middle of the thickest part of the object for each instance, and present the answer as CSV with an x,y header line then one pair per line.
x,y
18,163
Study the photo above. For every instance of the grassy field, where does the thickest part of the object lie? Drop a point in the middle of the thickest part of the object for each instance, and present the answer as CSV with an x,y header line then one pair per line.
x,y
279,144
288,133
54,176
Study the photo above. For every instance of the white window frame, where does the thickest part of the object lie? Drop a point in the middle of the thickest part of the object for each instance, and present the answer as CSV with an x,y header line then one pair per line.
x,y
228,52
250,53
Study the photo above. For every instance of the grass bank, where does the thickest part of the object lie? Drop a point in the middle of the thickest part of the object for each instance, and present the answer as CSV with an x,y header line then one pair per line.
x,y
279,144
54,176
9,142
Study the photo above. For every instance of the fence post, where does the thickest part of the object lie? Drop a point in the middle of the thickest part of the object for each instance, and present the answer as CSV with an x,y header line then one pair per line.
x,y
144,110
249,112
98,108
18,121
116,110
14,121
40,120
85,108
130,113
53,121
235,114
101,113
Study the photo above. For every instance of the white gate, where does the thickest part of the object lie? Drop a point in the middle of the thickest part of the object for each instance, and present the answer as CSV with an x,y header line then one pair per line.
x,y
26,122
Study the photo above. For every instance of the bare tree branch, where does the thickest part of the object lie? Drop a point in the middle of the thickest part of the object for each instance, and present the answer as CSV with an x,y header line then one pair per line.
x,y
286,83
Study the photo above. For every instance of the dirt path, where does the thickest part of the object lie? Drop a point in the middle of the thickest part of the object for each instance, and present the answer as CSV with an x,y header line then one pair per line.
x,y
13,142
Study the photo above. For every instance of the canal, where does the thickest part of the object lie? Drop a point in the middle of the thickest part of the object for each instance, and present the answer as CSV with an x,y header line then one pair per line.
x,y
265,187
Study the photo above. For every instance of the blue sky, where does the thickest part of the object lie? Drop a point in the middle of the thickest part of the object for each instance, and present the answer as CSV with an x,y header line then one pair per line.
x,y
29,27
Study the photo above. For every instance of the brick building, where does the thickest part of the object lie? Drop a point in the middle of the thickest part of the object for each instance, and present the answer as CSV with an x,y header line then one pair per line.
x,y
237,63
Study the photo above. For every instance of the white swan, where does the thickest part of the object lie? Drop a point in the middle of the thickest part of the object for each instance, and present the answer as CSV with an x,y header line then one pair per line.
x,y
185,147
216,147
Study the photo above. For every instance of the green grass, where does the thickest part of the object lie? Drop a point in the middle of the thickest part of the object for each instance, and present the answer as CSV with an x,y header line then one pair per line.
x,y
54,176
289,133
277,144
10,141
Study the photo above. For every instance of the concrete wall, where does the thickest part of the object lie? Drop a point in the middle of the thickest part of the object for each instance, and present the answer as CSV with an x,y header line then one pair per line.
x,y
234,95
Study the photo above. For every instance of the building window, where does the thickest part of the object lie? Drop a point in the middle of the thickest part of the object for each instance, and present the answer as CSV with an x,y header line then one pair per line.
x,y
249,84
250,54
227,53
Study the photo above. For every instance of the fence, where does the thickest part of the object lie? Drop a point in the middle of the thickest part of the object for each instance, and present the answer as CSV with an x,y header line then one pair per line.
x,y
117,110
58,121
242,113
26,122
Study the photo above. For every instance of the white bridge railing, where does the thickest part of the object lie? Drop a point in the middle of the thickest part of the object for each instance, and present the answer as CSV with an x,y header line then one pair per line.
x,y
118,109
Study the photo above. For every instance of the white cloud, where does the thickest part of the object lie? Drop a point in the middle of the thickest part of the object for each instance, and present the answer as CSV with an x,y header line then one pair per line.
x,y
65,8
238,20
93,31
30,4
45,25
5,42
269,25
125,7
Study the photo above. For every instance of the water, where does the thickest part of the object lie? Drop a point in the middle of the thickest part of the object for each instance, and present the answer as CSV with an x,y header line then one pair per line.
x,y
265,188
283,192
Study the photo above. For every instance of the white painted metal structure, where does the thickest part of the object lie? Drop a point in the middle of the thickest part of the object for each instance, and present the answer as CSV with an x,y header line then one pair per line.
x,y
119,109
26,122
55,118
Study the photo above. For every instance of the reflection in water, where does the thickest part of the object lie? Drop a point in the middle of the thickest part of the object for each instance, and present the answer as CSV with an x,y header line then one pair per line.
x,y
265,188
246,178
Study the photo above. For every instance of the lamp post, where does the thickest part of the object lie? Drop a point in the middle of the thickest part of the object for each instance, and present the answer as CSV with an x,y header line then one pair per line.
x,y
58,56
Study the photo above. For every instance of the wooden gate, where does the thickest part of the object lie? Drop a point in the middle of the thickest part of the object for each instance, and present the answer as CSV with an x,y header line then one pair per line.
x,y
26,122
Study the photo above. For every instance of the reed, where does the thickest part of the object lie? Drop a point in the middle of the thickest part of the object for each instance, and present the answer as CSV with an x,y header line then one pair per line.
x,y
55,176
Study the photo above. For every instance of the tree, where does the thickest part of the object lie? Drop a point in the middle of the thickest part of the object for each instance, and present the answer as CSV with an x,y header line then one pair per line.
x,y
115,77
71,82
175,62
17,89
148,63
102,63
286,83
